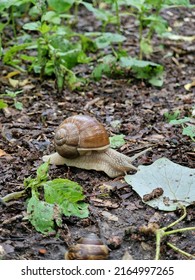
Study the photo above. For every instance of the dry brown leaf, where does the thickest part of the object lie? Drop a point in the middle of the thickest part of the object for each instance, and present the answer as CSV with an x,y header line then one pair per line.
x,y
104,203
2,153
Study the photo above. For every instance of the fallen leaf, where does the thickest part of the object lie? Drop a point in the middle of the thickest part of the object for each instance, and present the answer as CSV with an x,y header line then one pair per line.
x,y
188,86
104,203
2,251
2,153
17,83
176,37
109,216
176,181
12,74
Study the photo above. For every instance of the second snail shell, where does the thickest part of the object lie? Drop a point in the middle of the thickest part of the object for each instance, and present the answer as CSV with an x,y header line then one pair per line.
x,y
90,247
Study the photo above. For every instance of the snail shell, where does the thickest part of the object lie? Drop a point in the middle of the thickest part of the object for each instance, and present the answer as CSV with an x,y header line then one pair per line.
x,y
88,248
79,135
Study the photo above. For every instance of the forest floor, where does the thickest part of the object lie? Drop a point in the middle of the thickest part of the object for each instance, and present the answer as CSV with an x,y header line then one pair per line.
x,y
27,135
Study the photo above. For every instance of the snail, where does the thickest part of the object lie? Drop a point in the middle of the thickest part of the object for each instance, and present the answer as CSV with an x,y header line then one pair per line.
x,y
88,248
81,141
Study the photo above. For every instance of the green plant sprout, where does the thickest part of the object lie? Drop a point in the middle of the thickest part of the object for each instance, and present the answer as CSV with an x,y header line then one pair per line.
x,y
163,232
12,94
60,197
150,21
187,125
59,48
171,116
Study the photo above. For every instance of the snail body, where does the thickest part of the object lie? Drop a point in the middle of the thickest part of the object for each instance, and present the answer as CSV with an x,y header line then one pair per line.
x,y
81,141
88,248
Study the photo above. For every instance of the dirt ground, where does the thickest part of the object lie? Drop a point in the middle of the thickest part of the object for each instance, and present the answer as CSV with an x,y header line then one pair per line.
x,y
27,135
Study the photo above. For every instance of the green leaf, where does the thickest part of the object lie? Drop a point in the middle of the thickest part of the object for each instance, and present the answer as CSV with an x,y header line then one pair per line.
x,y
146,46
2,104
73,81
172,116
42,176
13,94
99,70
139,4
51,17
61,6
157,80
33,26
129,62
103,15
42,215
189,131
180,121
5,4
8,57
68,195
72,209
108,38
176,181
42,172
150,71
18,105
117,141
45,28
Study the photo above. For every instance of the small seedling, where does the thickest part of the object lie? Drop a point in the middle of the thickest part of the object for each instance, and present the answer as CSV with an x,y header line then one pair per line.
x,y
171,116
187,125
11,94
50,199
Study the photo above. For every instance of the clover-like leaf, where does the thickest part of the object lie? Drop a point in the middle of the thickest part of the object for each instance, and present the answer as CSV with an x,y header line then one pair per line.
x,y
175,182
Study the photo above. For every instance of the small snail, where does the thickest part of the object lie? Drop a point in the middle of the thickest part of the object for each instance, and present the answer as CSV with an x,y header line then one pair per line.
x,y
88,248
81,141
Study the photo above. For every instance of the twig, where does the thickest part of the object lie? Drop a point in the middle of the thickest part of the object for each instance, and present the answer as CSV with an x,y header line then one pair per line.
x,y
91,103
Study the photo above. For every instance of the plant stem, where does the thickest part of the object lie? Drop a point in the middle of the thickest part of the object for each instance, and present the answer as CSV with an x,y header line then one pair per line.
x,y
13,21
178,220
140,36
157,12
160,233
180,251
178,230
76,11
118,22
13,196
117,16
